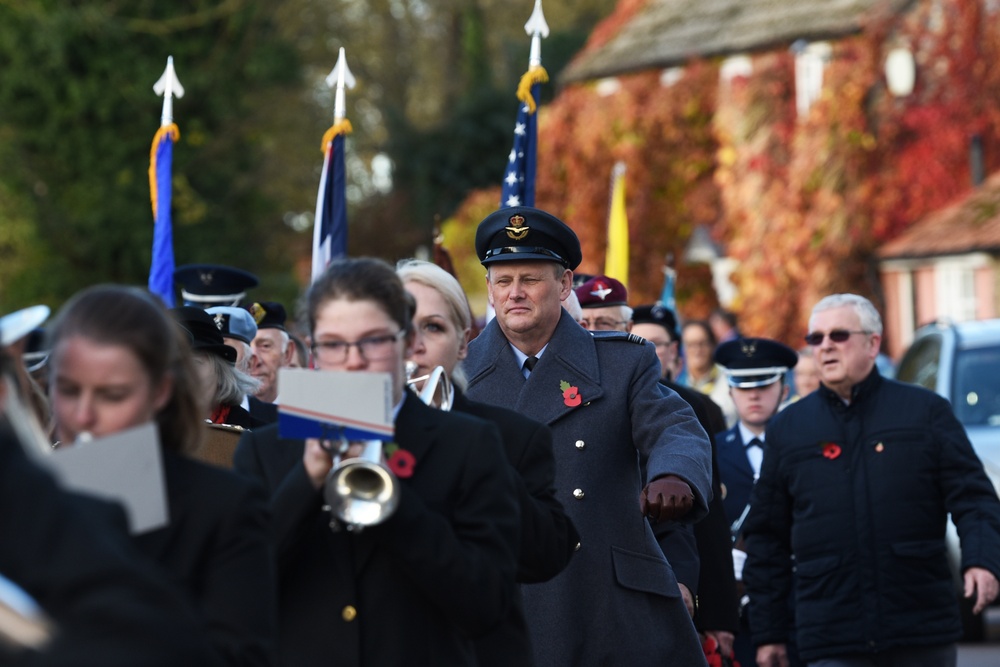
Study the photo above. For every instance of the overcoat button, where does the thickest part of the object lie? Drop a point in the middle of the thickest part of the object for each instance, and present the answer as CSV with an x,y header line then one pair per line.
x,y
349,613
580,444
577,547
578,494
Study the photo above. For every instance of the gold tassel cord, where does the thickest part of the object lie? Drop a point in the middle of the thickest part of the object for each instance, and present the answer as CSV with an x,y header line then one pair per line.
x,y
536,74
167,130
340,127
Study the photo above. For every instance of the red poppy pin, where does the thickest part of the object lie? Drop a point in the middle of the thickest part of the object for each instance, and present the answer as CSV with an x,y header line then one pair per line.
x,y
400,461
831,450
571,394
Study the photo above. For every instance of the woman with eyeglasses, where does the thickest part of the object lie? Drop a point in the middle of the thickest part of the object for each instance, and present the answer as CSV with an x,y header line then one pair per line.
x,y
414,589
119,361
442,322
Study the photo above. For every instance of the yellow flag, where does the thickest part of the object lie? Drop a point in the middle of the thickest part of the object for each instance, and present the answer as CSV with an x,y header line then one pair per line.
x,y
616,261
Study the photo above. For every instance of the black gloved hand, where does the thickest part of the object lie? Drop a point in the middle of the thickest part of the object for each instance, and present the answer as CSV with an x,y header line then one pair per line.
x,y
666,498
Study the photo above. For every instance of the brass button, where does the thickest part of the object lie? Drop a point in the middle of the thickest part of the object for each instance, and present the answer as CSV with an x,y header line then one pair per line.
x,y
349,613
580,444
578,494
577,547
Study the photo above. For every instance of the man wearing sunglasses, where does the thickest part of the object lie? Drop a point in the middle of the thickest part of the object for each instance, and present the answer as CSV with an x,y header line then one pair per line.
x,y
855,490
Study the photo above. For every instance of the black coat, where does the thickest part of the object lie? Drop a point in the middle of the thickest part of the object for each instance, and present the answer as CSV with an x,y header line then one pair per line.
x,y
860,495
215,549
261,413
718,602
112,608
548,537
414,589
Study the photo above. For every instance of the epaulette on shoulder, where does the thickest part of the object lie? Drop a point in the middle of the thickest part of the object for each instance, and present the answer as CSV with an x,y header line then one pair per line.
x,y
619,336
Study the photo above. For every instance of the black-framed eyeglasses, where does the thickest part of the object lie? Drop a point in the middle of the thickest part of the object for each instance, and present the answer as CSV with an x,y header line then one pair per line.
x,y
601,324
837,336
371,348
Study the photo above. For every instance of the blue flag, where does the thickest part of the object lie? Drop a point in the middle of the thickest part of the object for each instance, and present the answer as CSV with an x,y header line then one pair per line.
x,y
330,230
161,267
667,298
519,177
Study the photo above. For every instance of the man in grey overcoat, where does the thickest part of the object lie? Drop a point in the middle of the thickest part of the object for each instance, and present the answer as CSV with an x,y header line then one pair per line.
x,y
617,603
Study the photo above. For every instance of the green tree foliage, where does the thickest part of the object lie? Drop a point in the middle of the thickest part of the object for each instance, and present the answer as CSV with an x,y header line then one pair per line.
x,y
435,95
78,114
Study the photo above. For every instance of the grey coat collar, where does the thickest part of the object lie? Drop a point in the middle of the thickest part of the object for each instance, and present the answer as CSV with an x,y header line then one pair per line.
x,y
571,357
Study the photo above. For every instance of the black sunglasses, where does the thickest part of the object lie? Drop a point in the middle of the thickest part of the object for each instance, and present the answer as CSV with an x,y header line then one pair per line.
x,y
837,336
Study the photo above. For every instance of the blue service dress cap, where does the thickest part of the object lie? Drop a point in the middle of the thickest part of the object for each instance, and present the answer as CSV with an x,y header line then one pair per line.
x,y
523,233
602,291
205,285
657,313
755,362
234,322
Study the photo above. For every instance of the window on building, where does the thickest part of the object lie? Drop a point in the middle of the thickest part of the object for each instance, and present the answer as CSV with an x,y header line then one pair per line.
x,y
955,283
810,61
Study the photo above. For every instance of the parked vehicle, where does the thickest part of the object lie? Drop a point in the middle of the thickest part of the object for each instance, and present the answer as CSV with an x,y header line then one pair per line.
x,y
961,361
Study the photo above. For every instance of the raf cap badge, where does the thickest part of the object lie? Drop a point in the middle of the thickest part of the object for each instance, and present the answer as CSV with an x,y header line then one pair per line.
x,y
517,229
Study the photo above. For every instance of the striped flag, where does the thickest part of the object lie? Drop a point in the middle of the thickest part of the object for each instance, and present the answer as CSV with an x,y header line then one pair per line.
x,y
519,178
616,257
161,268
667,298
330,231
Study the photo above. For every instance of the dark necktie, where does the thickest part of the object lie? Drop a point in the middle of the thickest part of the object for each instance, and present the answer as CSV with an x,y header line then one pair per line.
x,y
529,364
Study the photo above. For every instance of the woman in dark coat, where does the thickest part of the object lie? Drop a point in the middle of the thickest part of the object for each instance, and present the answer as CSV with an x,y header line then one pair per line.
x,y
119,361
443,323
415,588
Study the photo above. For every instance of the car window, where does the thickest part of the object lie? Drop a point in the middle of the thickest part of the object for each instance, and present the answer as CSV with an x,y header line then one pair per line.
x,y
920,363
976,391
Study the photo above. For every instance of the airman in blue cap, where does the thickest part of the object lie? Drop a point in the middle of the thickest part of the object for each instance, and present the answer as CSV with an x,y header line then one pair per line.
x,y
755,369
206,285
599,394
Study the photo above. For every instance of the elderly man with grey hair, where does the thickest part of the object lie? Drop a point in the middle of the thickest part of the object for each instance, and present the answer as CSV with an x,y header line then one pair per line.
x,y
855,490
604,302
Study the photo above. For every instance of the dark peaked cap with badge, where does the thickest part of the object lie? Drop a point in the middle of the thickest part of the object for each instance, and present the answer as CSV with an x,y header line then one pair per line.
x,y
657,313
268,315
205,285
601,291
205,335
522,233
755,362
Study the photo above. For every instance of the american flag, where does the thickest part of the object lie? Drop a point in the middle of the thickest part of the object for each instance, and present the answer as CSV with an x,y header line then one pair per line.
x,y
519,177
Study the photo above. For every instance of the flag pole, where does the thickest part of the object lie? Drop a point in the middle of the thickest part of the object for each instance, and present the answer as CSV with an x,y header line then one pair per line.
x,y
519,177
161,156
330,226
